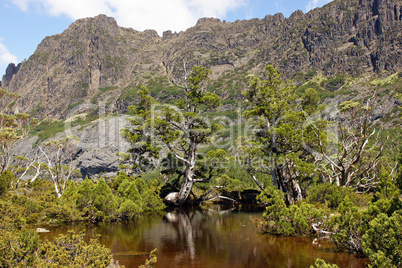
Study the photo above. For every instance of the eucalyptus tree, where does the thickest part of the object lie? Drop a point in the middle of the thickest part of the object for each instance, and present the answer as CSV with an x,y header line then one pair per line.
x,y
180,128
357,146
59,156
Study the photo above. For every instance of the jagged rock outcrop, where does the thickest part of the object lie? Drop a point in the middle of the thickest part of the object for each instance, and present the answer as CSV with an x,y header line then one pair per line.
x,y
11,70
96,62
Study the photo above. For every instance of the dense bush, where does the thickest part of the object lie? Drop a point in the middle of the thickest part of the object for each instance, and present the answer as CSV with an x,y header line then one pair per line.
x,y
294,220
5,179
382,241
351,223
123,199
18,247
332,195
71,251
348,226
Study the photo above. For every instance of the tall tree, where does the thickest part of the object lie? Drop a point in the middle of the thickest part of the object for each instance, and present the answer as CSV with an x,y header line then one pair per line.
x,y
143,145
182,128
356,147
59,156
282,136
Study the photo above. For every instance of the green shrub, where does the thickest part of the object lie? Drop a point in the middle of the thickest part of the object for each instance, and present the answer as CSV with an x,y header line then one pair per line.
x,y
104,201
295,220
348,227
48,128
330,194
129,210
71,251
382,242
151,261
5,181
18,247
125,198
334,83
320,263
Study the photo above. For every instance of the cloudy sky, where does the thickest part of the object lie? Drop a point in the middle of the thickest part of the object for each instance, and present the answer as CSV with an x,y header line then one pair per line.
x,y
24,23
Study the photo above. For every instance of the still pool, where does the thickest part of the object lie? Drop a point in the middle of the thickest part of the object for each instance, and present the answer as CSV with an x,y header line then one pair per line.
x,y
211,237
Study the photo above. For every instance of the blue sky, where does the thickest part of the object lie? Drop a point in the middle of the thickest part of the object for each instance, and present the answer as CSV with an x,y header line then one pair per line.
x,y
24,23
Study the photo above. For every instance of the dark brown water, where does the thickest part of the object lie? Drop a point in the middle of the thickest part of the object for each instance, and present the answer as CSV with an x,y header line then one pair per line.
x,y
214,237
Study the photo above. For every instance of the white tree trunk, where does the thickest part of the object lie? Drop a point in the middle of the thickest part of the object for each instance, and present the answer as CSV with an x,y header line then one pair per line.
x,y
188,177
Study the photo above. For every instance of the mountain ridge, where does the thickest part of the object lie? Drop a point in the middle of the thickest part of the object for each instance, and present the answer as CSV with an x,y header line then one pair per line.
x,y
96,63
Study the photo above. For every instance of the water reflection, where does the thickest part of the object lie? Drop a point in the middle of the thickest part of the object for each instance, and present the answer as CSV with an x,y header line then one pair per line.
x,y
213,237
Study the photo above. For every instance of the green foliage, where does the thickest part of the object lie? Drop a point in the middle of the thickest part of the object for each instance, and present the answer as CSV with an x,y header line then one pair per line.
x,y
144,147
334,83
320,263
129,210
18,248
72,251
310,74
5,181
104,201
348,227
150,263
164,90
128,94
392,79
84,197
282,137
37,202
48,128
75,104
104,89
329,194
295,220
387,199
382,241
13,126
182,128
228,183
124,199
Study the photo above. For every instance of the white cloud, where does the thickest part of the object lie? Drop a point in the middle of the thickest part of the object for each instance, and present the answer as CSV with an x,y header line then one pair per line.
x,y
161,15
5,58
316,3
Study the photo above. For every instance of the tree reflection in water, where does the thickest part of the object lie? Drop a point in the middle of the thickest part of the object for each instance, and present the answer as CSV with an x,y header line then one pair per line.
x,y
213,237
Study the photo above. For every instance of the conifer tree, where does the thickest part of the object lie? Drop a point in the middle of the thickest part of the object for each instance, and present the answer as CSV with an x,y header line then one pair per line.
x,y
282,140
181,128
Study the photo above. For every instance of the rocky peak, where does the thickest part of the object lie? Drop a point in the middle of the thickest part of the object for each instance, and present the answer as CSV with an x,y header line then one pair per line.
x,y
275,19
298,14
11,70
96,61
99,23
204,21
167,35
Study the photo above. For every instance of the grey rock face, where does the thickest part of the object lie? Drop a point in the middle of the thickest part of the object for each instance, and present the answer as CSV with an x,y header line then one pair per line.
x,y
98,144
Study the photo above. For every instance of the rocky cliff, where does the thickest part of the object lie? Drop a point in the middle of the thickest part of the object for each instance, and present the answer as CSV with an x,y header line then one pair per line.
x,y
95,62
